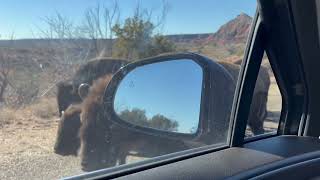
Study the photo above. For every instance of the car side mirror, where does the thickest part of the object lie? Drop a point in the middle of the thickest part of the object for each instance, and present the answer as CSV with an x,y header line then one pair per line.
x,y
166,95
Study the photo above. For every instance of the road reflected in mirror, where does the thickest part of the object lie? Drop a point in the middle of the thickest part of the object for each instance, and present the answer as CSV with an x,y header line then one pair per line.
x,y
164,96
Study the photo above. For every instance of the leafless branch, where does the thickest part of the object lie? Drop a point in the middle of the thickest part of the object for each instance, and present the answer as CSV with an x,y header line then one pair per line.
x,y
97,26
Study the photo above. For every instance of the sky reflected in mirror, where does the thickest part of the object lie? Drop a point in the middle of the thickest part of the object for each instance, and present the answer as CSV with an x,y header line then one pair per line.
x,y
171,89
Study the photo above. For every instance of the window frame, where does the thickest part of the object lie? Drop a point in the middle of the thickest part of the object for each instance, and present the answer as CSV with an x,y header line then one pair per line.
x,y
278,26
284,54
260,40
246,82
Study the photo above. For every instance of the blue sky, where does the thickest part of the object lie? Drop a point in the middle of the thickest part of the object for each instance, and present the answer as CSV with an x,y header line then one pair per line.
x,y
185,16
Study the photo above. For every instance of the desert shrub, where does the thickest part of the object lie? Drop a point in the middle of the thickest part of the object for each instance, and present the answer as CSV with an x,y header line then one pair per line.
x,y
7,116
136,38
44,108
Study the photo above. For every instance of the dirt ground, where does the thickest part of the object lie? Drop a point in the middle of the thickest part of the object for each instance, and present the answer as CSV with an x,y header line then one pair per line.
x,y
26,152
27,141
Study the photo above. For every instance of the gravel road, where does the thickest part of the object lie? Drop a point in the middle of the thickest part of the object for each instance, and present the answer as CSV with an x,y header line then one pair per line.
x,y
38,166
26,152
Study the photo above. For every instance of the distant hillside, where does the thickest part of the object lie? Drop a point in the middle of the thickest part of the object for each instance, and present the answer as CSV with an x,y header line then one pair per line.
x,y
228,43
42,43
185,38
234,31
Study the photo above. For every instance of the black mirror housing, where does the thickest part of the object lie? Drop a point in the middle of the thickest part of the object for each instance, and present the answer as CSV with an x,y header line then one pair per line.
x,y
216,99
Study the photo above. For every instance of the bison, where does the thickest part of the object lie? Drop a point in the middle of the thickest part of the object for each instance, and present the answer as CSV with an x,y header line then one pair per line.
x,y
103,143
67,91
67,140
69,101
258,108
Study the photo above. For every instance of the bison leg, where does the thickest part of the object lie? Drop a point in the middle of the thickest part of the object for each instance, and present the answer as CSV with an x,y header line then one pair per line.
x,y
123,159
122,156
67,140
258,113
256,127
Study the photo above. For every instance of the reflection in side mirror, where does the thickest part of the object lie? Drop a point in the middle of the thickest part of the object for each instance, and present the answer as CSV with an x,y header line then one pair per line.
x,y
164,96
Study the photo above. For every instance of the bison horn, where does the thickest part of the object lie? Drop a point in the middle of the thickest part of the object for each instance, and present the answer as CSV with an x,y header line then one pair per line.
x,y
83,90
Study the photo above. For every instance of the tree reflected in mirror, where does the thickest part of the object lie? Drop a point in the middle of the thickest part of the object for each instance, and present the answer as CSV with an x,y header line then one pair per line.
x,y
138,117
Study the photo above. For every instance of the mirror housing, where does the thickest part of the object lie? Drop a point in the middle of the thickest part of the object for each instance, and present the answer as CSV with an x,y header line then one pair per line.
x,y
216,99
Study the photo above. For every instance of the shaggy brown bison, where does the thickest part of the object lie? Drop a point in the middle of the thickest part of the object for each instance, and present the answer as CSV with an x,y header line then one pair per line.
x,y
68,95
67,91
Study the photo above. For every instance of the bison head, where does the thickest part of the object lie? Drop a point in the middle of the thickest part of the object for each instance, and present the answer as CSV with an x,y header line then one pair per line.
x,y
66,96
67,140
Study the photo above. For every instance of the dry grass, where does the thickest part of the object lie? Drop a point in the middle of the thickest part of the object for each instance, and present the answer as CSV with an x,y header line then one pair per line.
x,y
7,116
44,108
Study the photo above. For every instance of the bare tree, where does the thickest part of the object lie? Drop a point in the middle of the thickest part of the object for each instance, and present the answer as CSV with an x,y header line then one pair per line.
x,y
64,50
5,69
59,27
111,17
97,26
63,39
160,19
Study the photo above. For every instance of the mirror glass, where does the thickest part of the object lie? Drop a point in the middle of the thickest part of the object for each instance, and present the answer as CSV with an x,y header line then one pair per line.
x,y
164,96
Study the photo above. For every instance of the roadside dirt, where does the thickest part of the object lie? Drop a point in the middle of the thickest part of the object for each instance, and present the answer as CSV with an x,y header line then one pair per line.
x,y
26,152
